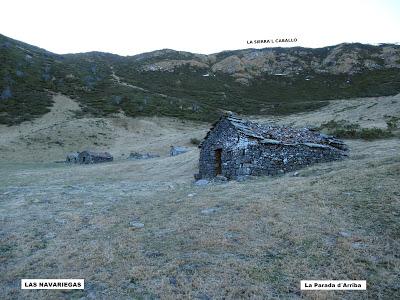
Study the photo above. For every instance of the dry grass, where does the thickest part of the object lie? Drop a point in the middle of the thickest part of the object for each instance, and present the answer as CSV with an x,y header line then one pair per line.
x,y
367,112
263,236
58,132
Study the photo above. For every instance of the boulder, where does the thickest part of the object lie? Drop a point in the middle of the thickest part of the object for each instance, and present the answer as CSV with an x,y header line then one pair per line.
x,y
211,210
176,150
201,182
136,225
220,178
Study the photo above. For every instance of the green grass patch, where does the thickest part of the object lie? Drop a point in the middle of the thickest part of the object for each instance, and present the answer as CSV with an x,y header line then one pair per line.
x,y
345,129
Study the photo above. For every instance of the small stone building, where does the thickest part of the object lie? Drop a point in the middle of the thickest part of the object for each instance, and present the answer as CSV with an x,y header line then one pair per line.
x,y
235,147
90,157
72,157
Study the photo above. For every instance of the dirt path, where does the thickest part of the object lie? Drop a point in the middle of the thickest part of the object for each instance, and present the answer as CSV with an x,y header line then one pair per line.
x,y
118,80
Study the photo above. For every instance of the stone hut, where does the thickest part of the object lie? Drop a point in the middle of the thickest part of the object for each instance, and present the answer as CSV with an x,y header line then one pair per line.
x,y
72,157
90,157
235,147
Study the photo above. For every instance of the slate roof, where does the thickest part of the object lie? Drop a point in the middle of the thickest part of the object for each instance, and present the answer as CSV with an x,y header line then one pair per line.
x,y
272,134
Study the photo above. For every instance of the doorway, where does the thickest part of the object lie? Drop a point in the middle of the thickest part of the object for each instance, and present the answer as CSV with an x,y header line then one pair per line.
x,y
218,162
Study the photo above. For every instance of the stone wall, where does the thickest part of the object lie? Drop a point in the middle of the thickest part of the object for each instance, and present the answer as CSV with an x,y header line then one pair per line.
x,y
86,157
72,157
223,136
262,159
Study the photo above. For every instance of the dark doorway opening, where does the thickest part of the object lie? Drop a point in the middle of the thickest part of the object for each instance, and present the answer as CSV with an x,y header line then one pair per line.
x,y
218,162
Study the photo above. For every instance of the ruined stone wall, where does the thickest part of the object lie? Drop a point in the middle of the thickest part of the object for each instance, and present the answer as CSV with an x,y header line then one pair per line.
x,y
91,158
100,159
72,157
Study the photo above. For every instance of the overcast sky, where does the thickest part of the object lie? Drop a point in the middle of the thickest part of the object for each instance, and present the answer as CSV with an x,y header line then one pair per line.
x,y
204,26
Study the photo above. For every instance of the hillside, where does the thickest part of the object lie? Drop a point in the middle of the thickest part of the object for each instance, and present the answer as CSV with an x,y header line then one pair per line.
x,y
49,137
191,86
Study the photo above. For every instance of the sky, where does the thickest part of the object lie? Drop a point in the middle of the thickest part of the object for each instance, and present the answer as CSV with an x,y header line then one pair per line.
x,y
208,26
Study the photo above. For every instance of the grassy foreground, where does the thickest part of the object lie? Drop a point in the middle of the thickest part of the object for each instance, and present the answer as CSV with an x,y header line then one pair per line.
x,y
254,239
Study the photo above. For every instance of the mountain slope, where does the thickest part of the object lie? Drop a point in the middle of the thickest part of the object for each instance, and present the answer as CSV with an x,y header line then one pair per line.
x,y
193,86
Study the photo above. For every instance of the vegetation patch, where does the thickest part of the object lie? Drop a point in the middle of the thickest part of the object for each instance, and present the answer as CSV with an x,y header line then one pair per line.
x,y
345,129
195,141
393,123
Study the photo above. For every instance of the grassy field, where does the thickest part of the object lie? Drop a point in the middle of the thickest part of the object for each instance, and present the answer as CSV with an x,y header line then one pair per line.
x,y
236,240
333,221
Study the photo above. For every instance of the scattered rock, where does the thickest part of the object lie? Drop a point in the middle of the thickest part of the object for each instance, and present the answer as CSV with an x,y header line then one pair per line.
x,y
221,178
357,245
330,241
201,182
91,157
173,281
191,195
211,210
176,150
60,221
153,254
59,142
348,193
50,235
242,178
136,225
232,237
136,155
344,234
203,296
295,174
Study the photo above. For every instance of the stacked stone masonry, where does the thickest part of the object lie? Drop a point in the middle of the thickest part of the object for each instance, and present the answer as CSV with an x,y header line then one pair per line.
x,y
235,147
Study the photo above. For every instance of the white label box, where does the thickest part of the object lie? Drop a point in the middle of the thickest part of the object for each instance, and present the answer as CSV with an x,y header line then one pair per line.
x,y
52,284
333,285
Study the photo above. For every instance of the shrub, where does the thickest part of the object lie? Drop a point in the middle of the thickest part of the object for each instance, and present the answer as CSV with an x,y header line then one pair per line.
x,y
392,123
195,141
374,133
345,129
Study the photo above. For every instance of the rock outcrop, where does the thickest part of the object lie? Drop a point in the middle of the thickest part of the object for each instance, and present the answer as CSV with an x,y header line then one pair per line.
x,y
245,65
